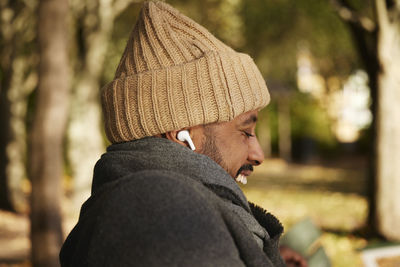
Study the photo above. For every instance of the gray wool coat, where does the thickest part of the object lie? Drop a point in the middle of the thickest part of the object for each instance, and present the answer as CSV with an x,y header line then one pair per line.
x,y
157,203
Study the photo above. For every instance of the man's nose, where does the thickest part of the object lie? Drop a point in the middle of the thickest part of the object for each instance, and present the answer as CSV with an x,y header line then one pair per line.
x,y
256,155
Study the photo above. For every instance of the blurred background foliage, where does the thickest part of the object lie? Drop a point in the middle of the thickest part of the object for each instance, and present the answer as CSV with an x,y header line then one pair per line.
x,y
317,132
272,32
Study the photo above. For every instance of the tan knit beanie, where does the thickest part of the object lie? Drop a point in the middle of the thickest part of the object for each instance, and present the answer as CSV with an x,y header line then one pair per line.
x,y
175,74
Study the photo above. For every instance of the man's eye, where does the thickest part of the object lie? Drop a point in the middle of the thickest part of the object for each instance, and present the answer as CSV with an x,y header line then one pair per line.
x,y
248,134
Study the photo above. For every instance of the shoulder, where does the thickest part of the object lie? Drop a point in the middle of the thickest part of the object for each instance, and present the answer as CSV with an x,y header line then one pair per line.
x,y
160,215
168,189
159,198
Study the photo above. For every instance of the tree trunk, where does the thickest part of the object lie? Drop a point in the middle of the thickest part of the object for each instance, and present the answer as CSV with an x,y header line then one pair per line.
x,y
85,141
284,129
46,140
264,134
366,44
388,121
7,56
16,31
5,135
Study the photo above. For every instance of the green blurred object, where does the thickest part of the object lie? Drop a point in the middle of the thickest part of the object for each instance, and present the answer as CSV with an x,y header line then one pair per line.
x,y
304,237
319,259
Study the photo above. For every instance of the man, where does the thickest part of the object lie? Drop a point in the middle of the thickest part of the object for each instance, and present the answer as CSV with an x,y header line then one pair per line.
x,y
181,115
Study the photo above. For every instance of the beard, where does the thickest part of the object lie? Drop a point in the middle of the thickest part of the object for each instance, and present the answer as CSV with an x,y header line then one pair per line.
x,y
210,148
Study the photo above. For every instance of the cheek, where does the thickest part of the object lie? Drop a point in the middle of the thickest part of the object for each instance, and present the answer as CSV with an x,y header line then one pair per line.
x,y
236,150
238,159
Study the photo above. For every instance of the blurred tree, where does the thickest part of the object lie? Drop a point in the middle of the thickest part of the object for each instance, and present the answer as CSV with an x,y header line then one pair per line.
x,y
47,135
93,21
220,17
18,78
274,33
264,132
282,96
388,119
364,33
284,121
378,43
6,56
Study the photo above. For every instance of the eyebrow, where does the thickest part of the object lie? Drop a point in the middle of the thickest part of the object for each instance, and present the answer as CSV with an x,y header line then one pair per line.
x,y
252,119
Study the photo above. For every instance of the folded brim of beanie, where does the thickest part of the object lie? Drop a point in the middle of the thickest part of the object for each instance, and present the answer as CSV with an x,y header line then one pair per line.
x,y
216,87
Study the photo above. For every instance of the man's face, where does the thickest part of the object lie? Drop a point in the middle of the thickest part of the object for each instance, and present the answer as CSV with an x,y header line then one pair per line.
x,y
233,145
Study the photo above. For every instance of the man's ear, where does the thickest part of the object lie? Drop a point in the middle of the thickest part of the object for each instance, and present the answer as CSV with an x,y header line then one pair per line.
x,y
196,134
173,136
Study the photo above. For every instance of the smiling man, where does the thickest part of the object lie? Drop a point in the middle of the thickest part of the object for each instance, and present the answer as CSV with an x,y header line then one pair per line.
x,y
233,145
181,114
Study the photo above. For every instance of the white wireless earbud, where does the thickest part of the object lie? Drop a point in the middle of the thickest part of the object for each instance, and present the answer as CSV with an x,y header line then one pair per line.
x,y
185,137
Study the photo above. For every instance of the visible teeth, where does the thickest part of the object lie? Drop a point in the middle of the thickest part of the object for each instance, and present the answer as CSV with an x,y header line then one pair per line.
x,y
241,178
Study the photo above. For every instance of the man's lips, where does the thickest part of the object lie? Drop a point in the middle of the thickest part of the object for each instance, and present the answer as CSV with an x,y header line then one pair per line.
x,y
243,172
246,172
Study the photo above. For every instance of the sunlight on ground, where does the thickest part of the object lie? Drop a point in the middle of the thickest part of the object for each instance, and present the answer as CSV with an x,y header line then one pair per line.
x,y
339,212
293,193
334,211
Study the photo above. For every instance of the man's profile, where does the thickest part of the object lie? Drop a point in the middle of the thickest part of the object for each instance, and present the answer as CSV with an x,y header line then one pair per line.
x,y
181,115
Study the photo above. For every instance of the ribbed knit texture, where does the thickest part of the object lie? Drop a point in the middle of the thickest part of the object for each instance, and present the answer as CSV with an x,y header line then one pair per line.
x,y
175,74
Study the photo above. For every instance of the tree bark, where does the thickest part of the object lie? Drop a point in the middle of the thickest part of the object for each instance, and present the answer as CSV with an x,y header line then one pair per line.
x,y
388,120
46,140
5,133
366,44
18,78
365,40
85,141
7,56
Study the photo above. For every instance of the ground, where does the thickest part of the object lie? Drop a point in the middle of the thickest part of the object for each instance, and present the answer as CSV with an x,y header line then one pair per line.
x,y
334,199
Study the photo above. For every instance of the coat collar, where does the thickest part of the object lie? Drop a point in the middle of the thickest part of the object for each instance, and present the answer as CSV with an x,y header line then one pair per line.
x,y
162,154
